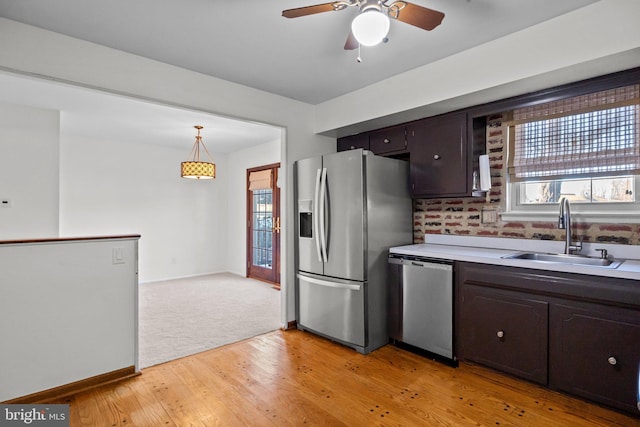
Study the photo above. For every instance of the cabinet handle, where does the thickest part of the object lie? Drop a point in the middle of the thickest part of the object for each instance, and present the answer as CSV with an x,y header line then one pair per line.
x,y
500,334
612,361
386,140
436,157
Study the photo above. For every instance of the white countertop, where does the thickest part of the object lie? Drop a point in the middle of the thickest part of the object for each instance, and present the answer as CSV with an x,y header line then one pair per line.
x,y
489,250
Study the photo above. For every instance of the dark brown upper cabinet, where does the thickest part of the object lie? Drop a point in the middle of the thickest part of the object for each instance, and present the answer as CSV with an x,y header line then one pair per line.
x,y
388,140
353,142
442,151
439,156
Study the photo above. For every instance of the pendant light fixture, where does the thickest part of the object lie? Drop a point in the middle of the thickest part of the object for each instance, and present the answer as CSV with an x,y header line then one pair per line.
x,y
194,168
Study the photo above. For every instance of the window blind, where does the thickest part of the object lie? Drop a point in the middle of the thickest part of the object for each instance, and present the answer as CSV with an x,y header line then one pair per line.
x,y
591,135
260,180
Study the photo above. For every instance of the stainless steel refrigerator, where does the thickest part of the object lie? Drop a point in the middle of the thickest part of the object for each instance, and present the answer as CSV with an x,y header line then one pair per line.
x,y
352,206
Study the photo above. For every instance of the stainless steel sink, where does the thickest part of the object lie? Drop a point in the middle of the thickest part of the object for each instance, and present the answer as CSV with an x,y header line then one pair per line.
x,y
566,259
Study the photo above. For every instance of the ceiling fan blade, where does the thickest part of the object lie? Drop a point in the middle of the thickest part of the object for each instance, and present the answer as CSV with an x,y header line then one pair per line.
x,y
308,10
351,43
419,16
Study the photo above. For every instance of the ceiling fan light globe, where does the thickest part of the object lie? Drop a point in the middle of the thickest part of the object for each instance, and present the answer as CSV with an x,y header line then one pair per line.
x,y
370,27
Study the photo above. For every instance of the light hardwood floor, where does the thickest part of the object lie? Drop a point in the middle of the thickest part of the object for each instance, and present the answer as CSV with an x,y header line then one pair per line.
x,y
292,378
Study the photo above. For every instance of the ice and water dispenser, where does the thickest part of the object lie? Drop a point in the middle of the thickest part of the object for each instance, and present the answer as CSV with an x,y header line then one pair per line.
x,y
305,221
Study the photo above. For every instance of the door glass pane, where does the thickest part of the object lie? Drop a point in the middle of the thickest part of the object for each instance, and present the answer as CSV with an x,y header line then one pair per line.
x,y
262,219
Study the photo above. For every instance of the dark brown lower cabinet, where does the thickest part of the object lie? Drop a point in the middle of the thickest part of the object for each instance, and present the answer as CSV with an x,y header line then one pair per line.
x,y
595,353
505,330
571,332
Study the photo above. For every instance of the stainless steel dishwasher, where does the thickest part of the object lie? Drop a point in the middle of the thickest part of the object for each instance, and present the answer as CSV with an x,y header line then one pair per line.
x,y
421,305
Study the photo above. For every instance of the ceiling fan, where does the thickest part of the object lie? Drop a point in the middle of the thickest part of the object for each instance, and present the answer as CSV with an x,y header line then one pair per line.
x,y
371,25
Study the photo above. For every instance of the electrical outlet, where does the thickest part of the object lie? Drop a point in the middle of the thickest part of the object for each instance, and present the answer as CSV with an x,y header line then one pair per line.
x,y
6,203
489,216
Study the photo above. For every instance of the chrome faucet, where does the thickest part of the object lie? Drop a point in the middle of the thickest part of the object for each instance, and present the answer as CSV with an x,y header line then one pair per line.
x,y
564,223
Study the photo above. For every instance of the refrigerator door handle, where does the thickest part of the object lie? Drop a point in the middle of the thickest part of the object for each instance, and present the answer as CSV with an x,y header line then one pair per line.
x,y
316,215
323,205
352,287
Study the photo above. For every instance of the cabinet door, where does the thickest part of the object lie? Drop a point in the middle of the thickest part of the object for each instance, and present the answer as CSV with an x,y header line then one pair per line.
x,y
354,142
504,330
388,140
594,352
439,154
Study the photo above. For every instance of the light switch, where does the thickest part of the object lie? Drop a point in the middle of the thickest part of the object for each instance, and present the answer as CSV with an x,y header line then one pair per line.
x,y
117,255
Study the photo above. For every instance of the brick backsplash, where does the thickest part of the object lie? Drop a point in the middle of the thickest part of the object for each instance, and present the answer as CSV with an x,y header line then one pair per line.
x,y
463,216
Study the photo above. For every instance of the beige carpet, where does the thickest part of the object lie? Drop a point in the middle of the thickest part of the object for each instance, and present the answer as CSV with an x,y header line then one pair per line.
x,y
181,317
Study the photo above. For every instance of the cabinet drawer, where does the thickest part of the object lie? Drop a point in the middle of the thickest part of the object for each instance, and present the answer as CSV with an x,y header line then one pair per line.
x,y
594,352
388,140
504,330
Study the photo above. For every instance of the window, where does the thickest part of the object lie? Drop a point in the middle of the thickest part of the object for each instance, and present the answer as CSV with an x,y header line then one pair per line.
x,y
585,148
584,190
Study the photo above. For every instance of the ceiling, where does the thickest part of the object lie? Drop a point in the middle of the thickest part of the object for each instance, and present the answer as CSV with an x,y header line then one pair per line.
x,y
103,116
250,43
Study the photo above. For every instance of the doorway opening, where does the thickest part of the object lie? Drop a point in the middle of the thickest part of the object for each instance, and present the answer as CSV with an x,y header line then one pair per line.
x,y
263,224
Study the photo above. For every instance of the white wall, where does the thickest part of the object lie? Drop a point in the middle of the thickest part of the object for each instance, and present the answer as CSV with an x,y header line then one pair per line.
x,y
239,162
125,187
29,170
48,338
58,57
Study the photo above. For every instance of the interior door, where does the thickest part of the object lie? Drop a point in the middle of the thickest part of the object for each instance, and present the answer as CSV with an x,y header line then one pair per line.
x,y
263,224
